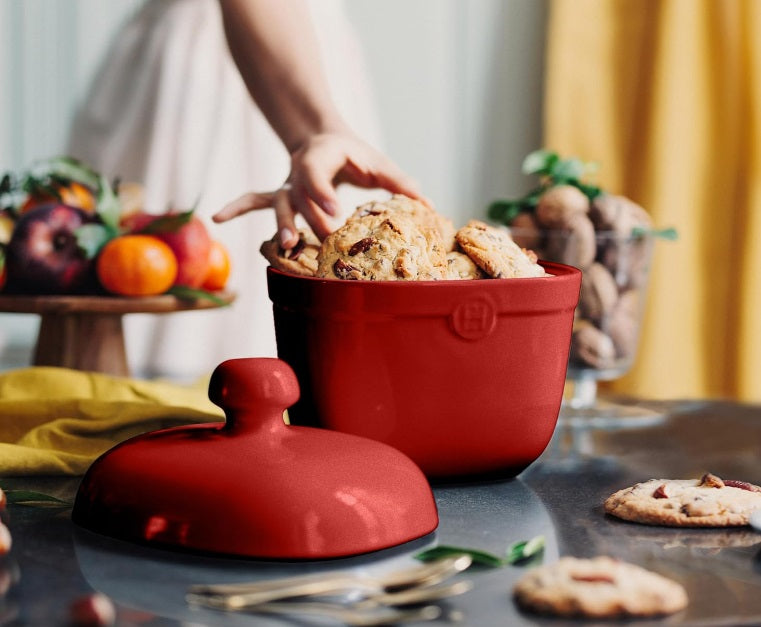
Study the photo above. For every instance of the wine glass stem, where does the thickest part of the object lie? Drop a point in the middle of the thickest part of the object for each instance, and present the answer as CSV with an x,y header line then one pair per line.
x,y
584,393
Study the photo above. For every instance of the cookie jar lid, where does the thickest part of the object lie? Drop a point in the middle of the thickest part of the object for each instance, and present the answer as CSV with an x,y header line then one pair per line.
x,y
254,486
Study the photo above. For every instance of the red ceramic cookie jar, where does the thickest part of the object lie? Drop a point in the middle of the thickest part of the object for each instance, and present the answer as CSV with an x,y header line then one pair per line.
x,y
465,377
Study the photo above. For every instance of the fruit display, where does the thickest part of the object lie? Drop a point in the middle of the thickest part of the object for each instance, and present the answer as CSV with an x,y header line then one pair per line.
x,y
609,237
66,229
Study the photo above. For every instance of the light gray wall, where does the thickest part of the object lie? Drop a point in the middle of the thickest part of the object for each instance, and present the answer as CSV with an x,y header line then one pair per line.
x,y
459,91
458,85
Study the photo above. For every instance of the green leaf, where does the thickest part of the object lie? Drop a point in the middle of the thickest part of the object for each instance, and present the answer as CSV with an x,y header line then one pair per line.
x,y
479,557
167,223
28,497
592,191
40,186
92,237
7,183
108,206
667,234
539,162
531,199
567,170
504,211
526,550
68,168
192,293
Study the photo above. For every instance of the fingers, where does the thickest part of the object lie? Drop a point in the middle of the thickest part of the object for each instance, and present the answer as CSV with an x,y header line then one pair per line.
x,y
301,202
252,201
313,169
317,168
284,214
383,173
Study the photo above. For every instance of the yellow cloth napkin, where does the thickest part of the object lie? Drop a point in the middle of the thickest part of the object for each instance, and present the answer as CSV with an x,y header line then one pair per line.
x,y
56,421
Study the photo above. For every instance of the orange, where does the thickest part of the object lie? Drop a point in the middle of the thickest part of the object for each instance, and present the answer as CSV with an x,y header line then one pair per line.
x,y
136,265
219,267
189,241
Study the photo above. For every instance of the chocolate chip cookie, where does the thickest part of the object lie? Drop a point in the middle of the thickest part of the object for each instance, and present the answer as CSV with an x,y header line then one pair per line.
x,y
301,259
420,213
494,251
382,246
601,587
460,267
706,502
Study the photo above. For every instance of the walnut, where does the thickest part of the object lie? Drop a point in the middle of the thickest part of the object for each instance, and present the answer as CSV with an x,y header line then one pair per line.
x,y
558,205
711,481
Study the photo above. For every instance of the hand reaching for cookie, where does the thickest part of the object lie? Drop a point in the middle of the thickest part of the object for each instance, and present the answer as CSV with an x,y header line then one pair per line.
x,y
317,167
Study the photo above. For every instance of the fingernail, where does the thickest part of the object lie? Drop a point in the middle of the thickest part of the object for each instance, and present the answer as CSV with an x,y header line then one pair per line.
x,y
285,235
330,208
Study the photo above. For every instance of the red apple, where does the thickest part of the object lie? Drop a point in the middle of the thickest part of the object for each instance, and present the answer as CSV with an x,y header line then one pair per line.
x,y
43,256
190,243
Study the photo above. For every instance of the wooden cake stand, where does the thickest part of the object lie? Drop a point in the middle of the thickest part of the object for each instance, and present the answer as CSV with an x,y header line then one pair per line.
x,y
86,333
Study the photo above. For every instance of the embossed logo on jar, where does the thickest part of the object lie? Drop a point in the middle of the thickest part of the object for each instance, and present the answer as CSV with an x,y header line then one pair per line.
x,y
474,319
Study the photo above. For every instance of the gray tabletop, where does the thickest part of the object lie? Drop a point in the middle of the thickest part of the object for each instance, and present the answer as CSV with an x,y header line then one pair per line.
x,y
560,496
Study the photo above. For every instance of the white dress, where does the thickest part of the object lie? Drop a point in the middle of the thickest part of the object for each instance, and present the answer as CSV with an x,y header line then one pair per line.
x,y
169,109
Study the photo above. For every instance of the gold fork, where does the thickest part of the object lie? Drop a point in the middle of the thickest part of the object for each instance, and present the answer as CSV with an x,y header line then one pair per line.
x,y
240,595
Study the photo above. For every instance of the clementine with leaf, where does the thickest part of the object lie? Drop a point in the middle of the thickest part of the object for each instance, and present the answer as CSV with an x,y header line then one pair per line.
x,y
136,265
219,267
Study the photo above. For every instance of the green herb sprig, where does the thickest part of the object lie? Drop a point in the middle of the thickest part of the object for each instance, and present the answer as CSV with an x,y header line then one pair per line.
x,y
523,552
552,171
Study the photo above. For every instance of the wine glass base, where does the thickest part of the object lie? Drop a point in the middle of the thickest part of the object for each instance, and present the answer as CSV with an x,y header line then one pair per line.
x,y
607,415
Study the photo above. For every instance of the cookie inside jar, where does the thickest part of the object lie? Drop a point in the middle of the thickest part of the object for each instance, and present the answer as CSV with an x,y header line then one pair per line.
x,y
403,239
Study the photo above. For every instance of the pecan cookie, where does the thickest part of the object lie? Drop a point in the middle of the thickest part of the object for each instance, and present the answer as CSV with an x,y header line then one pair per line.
x,y
420,213
301,259
460,266
494,251
382,246
601,587
707,502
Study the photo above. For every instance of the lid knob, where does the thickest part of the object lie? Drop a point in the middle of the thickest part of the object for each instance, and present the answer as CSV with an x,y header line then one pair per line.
x,y
261,388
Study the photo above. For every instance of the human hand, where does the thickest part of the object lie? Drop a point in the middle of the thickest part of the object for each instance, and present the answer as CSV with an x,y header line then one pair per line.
x,y
318,166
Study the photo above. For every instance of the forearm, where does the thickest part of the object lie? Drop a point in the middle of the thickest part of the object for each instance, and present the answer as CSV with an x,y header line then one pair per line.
x,y
275,48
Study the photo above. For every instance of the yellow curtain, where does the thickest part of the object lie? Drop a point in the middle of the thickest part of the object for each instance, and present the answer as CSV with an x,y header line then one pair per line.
x,y
666,96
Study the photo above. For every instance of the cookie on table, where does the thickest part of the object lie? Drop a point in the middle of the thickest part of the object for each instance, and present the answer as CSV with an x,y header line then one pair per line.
x,y
301,259
706,502
460,267
495,252
600,587
420,213
382,246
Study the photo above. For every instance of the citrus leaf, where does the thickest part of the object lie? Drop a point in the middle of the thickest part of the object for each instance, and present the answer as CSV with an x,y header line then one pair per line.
x,y
67,168
28,497
539,162
479,557
108,206
92,237
167,223
7,183
193,293
526,550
